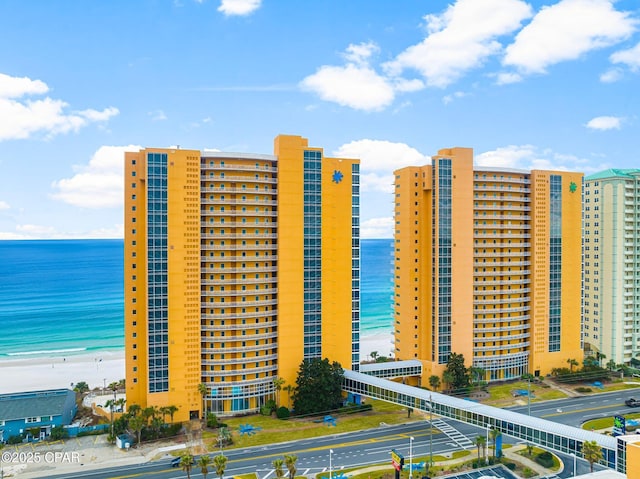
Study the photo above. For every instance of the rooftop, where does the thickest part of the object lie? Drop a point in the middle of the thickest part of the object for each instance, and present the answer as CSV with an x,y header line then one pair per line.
x,y
33,404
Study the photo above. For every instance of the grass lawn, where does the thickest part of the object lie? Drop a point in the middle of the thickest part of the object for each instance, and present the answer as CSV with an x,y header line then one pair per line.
x,y
501,395
273,430
606,422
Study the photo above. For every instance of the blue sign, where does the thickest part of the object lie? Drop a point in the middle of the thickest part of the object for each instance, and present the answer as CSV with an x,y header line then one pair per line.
x,y
619,426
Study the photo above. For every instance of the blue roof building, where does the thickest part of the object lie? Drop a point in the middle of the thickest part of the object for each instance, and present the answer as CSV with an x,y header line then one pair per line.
x,y
21,413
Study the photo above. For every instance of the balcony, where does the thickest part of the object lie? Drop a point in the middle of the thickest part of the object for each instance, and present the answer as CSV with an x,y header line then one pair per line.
x,y
497,186
502,310
250,200
254,191
237,361
238,247
501,282
205,349
499,273
480,264
236,258
237,327
237,292
242,337
205,166
231,281
234,315
235,212
239,304
501,300
260,269
502,348
241,236
217,374
499,254
499,207
238,179
510,319
487,235
501,337
517,327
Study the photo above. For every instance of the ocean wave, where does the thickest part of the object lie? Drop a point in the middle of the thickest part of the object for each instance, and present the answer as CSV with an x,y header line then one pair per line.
x,y
48,351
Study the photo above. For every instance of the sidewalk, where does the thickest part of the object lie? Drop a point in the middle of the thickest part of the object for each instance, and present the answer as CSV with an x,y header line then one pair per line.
x,y
512,453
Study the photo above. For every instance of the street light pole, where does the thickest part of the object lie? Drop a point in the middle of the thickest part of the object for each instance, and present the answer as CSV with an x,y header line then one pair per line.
x,y
330,471
487,445
410,457
574,464
430,432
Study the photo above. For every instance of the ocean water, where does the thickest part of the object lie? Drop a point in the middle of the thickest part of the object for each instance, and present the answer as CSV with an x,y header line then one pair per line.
x,y
65,297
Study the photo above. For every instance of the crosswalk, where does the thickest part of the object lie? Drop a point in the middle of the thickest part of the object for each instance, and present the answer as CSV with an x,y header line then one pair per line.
x,y
452,433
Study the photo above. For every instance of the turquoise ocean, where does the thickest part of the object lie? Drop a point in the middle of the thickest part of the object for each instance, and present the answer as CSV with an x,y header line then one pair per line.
x,y
65,297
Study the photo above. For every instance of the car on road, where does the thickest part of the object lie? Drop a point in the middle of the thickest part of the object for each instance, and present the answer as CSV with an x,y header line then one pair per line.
x,y
632,402
176,461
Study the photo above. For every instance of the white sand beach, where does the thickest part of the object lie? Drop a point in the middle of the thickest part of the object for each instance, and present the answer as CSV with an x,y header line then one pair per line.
x,y
34,374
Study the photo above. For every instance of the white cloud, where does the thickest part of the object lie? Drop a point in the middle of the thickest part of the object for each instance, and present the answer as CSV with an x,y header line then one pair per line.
x,y
378,160
4,205
100,184
31,232
449,98
460,39
377,228
19,119
611,76
157,115
605,123
630,57
505,78
239,7
15,87
566,31
530,157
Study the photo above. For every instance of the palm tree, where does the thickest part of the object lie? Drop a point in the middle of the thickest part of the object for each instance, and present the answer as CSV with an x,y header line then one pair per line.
x,y
477,374
447,378
111,404
572,362
434,382
290,461
480,444
172,409
374,355
600,357
591,452
134,409
611,365
137,423
278,383
203,462
186,463
494,434
289,388
277,465
220,463
203,390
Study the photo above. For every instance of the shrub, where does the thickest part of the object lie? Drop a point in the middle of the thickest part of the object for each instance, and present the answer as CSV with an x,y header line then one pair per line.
x,y
212,420
266,410
583,389
510,465
17,439
282,413
545,459
527,472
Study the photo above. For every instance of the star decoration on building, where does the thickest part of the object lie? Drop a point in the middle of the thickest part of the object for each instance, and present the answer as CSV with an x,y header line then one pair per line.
x,y
573,187
337,176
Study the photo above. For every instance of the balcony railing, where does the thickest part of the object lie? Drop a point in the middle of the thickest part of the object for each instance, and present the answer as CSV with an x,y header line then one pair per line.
x,y
234,315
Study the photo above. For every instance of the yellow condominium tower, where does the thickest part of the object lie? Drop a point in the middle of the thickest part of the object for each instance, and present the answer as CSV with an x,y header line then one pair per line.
x,y
488,265
237,267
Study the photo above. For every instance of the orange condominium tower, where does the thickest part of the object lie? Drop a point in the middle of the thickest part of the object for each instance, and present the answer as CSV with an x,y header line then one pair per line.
x,y
237,267
487,263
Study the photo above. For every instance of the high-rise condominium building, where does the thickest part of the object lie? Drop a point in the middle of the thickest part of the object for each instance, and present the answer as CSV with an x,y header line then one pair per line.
x,y
237,267
612,265
488,265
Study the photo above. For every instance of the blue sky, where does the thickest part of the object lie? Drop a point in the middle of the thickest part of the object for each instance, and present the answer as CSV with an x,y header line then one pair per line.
x,y
527,84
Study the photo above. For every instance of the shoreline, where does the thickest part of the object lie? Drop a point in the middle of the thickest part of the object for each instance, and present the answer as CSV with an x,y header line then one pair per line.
x,y
22,373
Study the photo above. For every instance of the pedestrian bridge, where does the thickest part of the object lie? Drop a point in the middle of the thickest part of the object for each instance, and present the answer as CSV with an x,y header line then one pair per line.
x,y
544,433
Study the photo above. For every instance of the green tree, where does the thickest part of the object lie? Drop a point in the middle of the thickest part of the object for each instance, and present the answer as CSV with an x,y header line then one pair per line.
x,y
494,434
290,461
203,390
134,410
434,382
374,355
172,409
459,372
611,365
186,463
447,379
137,423
318,386
220,463
571,362
278,468
81,387
203,464
591,452
481,442
289,388
278,383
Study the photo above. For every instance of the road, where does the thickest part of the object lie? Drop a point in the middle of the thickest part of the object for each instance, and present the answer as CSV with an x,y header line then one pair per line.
x,y
374,446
